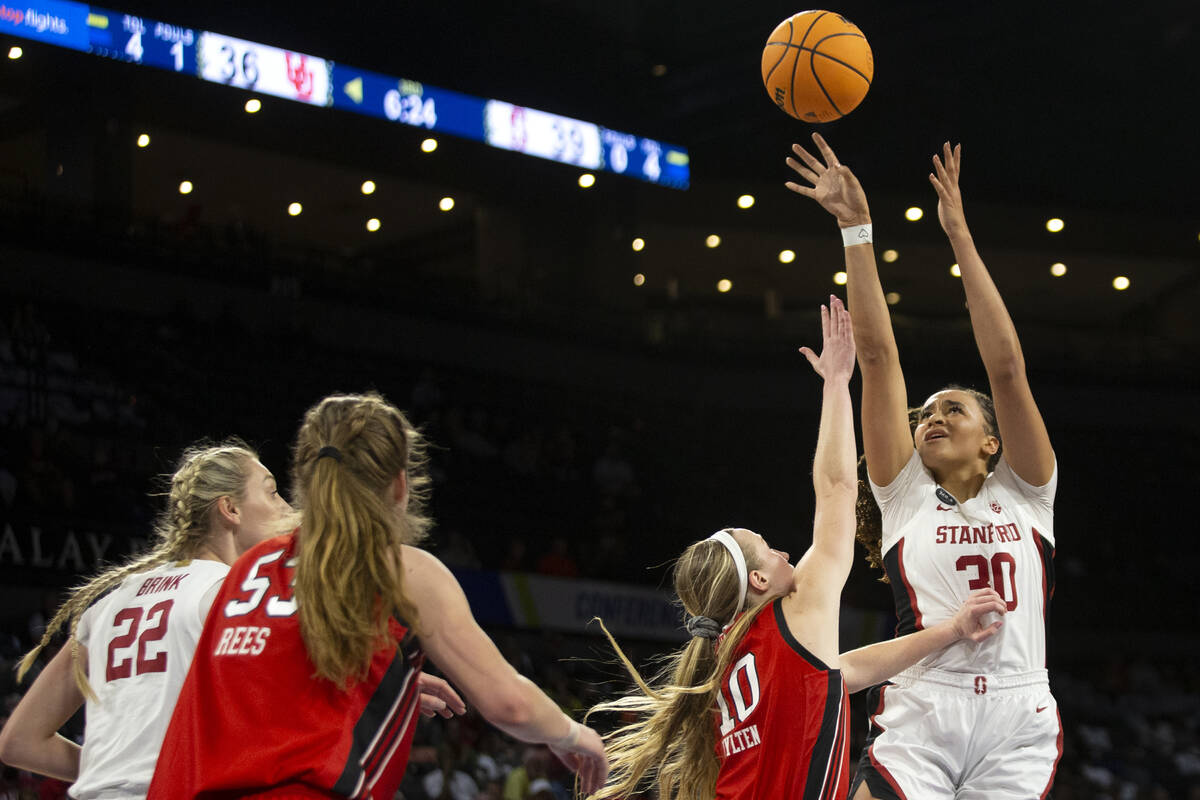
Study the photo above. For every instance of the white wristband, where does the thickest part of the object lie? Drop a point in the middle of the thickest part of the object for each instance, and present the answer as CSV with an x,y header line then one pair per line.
x,y
570,739
857,234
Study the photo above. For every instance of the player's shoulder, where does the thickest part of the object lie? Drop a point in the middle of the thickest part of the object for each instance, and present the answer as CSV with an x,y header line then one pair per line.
x,y
284,541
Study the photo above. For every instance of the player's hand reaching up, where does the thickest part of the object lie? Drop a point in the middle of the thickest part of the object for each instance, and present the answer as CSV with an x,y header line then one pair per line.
x,y
836,362
834,186
945,182
971,621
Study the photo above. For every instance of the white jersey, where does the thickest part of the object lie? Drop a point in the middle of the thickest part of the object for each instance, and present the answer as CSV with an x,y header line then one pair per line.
x,y
937,551
140,639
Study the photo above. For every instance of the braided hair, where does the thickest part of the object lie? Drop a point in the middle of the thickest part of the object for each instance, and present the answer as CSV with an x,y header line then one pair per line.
x,y
204,473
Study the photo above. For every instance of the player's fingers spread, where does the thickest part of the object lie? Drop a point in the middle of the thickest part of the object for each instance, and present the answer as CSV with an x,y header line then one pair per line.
x,y
803,172
808,158
826,151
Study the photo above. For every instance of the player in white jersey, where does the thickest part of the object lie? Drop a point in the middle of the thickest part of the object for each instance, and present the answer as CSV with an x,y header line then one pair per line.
x,y
966,499
137,641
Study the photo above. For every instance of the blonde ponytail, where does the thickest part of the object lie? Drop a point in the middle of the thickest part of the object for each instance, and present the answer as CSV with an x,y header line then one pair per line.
x,y
350,579
672,745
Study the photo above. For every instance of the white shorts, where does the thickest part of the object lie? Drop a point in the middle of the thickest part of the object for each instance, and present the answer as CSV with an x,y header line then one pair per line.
x,y
953,735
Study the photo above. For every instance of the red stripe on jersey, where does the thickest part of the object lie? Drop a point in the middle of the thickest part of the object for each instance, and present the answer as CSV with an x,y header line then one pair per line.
x,y
1057,758
887,776
836,758
394,731
381,742
912,594
880,768
403,735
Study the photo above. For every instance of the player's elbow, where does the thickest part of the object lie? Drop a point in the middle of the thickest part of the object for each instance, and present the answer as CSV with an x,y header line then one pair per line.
x,y
10,747
1006,369
507,707
837,493
875,354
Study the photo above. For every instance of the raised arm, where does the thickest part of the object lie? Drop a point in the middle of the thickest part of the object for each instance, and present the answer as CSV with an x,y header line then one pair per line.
x,y
1026,441
821,573
30,739
455,642
887,440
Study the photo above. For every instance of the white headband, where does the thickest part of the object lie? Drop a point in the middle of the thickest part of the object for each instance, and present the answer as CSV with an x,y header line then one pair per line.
x,y
739,560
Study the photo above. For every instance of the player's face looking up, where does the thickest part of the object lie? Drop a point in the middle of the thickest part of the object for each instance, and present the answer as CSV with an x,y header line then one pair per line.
x,y
952,432
773,575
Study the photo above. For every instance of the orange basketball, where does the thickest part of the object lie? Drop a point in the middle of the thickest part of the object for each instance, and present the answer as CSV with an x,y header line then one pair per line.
x,y
817,66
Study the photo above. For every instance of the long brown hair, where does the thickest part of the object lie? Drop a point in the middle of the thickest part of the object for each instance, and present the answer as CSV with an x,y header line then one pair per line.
x,y
672,745
204,474
350,579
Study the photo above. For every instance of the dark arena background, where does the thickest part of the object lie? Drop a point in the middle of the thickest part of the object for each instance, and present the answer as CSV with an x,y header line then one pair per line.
x,y
596,402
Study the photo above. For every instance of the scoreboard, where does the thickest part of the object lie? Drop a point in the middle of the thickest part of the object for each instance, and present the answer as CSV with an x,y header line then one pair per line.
x,y
317,81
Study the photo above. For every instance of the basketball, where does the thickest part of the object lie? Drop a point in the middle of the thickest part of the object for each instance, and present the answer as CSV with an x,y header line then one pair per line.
x,y
817,66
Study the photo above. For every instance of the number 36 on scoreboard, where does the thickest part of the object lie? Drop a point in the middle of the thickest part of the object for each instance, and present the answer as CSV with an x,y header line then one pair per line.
x,y
270,70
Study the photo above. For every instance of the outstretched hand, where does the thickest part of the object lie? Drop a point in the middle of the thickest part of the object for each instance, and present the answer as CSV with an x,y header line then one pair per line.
x,y
945,182
971,620
836,361
834,186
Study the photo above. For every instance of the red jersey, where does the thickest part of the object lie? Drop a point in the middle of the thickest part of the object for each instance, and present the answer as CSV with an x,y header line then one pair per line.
x,y
783,730
252,721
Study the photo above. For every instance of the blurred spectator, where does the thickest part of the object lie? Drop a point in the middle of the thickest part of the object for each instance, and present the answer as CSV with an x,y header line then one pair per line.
x,y
448,780
557,561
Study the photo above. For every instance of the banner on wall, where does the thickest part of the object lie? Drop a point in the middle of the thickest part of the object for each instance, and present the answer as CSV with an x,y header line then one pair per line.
x,y
51,552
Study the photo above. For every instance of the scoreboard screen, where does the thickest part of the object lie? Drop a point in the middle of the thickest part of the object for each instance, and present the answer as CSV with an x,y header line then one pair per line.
x,y
317,81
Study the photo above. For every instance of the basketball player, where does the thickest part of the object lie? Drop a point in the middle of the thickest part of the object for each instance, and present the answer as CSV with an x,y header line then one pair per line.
x,y
754,706
957,515
304,679
129,650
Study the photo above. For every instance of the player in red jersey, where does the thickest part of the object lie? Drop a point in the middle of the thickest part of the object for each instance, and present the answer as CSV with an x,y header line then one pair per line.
x,y
305,677
762,712
966,500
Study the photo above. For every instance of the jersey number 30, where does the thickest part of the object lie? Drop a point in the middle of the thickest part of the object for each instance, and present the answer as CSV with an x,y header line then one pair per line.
x,y
1004,581
119,667
745,693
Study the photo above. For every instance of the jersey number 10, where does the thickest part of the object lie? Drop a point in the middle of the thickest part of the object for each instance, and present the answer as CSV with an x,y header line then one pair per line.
x,y
742,704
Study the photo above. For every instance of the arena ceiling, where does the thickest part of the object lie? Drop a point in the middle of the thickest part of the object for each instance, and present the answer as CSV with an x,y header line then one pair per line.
x,y
1077,110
